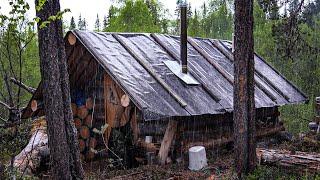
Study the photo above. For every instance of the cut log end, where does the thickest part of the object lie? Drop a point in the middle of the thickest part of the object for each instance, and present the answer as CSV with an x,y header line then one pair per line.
x,y
84,132
125,100
82,145
77,123
72,39
82,112
34,105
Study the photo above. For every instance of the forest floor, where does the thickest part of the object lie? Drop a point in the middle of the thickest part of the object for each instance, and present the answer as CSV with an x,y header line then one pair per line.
x,y
220,166
220,162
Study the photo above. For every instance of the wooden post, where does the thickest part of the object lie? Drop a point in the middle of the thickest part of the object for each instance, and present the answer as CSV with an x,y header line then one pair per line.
x,y
167,141
244,106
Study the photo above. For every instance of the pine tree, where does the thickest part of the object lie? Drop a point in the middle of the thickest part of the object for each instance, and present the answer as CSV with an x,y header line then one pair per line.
x,y
97,24
194,25
105,23
80,23
63,145
244,105
72,24
84,24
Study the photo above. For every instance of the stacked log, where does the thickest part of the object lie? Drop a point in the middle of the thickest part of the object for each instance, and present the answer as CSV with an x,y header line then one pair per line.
x,y
84,122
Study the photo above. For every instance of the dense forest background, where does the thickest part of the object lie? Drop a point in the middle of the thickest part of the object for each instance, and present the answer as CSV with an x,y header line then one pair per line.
x,y
286,34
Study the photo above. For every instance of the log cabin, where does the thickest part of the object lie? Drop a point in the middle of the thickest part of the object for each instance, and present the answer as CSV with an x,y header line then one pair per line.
x,y
130,86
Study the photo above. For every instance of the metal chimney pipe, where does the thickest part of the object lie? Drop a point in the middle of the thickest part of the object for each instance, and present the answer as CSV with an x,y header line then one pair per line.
x,y
183,37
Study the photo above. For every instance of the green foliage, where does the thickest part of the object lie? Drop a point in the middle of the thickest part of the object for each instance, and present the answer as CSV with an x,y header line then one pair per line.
x,y
135,16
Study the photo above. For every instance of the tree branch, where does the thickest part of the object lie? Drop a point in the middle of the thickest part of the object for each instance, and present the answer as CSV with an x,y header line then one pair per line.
x,y
31,90
5,105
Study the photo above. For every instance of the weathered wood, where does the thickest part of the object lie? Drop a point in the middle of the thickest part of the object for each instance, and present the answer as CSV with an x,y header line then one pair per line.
x,y
84,132
167,141
116,114
151,72
300,162
72,39
82,112
77,123
30,157
148,147
134,125
221,141
82,145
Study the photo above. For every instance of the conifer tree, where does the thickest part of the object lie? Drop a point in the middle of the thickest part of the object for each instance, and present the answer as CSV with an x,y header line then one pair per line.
x,y
97,24
72,24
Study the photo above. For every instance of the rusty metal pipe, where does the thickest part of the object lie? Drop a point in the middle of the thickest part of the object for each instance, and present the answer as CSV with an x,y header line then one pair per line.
x,y
183,37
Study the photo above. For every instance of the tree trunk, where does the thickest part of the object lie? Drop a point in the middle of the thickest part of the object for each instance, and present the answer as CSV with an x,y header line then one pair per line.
x,y
244,121
63,144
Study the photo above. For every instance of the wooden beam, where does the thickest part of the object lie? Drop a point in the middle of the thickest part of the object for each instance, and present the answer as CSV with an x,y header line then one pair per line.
x,y
207,57
228,54
208,88
167,141
151,71
31,90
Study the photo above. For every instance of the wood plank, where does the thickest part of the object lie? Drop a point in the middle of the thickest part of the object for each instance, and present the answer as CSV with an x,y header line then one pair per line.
x,y
134,126
151,71
167,141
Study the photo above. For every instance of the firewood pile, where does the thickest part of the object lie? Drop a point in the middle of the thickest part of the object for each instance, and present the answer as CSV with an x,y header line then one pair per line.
x,y
87,127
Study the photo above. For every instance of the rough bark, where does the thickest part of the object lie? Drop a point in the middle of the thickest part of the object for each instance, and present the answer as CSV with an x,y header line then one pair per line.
x,y
244,121
64,151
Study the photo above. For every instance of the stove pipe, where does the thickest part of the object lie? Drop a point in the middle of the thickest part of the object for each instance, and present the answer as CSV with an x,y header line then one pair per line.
x,y
183,37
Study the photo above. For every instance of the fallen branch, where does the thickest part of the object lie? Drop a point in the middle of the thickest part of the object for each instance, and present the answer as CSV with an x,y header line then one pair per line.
x,y
29,89
300,162
5,105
